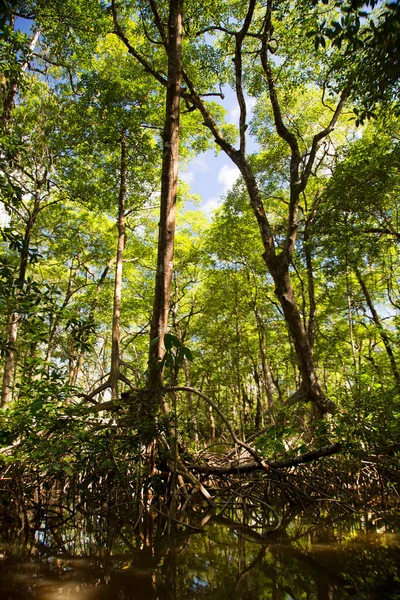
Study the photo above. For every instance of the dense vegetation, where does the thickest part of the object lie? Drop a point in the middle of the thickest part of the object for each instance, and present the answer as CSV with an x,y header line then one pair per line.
x,y
142,342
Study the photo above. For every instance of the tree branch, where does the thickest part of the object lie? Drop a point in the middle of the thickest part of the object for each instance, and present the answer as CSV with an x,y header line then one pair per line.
x,y
239,37
119,32
249,467
249,449
158,23
281,128
321,135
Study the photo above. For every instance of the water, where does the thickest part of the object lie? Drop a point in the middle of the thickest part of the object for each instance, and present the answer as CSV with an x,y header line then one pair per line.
x,y
222,555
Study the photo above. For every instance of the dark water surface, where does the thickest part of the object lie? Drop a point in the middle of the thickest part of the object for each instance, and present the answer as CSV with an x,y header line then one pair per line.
x,y
211,556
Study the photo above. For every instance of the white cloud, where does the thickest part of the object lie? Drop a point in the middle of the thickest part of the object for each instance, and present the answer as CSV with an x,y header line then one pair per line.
x,y
188,177
234,115
196,166
210,205
235,112
227,176
250,102
199,164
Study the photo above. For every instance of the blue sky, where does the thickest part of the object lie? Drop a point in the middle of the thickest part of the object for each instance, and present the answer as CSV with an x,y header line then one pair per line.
x,y
23,24
210,175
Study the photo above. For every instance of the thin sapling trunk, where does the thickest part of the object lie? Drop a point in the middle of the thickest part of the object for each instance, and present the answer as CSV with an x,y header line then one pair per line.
x,y
116,332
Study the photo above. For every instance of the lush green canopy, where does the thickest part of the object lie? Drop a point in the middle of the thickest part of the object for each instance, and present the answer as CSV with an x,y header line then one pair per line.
x,y
281,309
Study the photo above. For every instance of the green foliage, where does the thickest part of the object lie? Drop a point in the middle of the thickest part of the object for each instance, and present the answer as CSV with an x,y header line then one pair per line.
x,y
175,351
81,330
272,442
14,46
367,33
59,184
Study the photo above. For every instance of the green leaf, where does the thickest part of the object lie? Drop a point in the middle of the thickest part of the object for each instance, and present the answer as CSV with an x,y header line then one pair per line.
x,y
169,359
187,352
67,469
171,340
168,342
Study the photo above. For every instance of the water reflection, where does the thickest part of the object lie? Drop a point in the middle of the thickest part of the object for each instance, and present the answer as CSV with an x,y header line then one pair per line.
x,y
218,556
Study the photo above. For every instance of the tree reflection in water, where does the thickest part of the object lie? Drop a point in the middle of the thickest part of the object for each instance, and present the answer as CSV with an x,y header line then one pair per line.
x,y
234,553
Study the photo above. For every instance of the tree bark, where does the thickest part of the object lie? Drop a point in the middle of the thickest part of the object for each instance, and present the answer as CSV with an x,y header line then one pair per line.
x,y
116,332
250,466
6,392
310,387
169,183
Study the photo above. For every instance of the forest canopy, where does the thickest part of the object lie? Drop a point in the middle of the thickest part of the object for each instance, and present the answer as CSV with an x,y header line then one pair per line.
x,y
136,330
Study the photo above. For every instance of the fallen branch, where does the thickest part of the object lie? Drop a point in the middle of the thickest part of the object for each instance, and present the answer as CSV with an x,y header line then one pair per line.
x,y
183,388
110,405
250,466
238,467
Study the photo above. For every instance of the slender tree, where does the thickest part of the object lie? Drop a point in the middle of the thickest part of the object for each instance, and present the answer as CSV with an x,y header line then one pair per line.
x,y
169,183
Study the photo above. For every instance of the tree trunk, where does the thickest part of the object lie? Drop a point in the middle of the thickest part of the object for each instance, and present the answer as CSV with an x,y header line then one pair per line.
x,y
384,336
310,387
54,321
14,317
311,288
259,416
194,435
169,183
212,425
266,371
6,392
350,322
300,170
10,87
278,266
116,333
76,369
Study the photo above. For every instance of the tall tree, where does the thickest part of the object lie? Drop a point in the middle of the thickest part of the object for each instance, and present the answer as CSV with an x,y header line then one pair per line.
x,y
27,187
257,24
169,183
